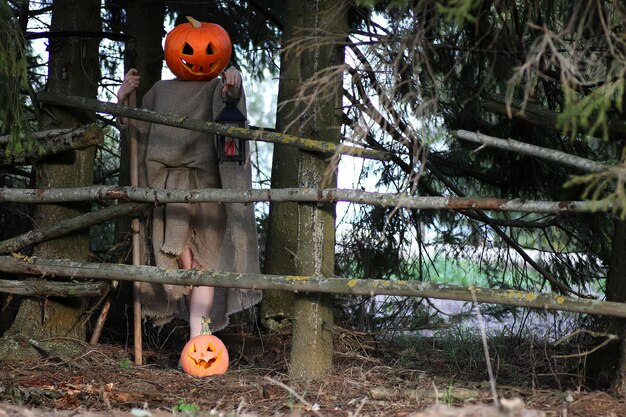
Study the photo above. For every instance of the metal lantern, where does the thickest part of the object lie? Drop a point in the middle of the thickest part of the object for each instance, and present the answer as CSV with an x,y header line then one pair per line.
x,y
231,149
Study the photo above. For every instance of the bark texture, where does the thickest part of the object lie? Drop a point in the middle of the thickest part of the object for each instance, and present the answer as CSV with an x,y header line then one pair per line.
x,y
607,367
144,23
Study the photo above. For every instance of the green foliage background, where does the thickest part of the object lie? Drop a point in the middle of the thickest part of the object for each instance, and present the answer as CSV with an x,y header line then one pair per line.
x,y
14,81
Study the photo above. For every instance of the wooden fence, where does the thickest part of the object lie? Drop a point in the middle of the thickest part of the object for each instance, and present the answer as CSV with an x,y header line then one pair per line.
x,y
143,198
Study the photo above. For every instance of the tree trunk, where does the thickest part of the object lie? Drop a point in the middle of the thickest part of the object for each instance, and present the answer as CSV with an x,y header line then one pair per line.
x,y
282,229
74,69
321,115
144,23
607,367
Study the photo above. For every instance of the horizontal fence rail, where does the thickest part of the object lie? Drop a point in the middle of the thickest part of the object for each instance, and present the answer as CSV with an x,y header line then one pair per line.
x,y
183,122
326,195
45,288
355,287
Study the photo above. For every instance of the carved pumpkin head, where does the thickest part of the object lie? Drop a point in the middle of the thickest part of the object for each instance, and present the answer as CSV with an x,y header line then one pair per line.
x,y
204,354
197,51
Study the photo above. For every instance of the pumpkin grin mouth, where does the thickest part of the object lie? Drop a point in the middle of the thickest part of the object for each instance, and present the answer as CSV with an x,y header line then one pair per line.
x,y
190,66
203,359
206,364
199,71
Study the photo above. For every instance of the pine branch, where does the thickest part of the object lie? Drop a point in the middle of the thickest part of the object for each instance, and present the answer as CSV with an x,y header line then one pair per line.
x,y
209,127
476,211
367,287
306,195
479,214
532,150
535,114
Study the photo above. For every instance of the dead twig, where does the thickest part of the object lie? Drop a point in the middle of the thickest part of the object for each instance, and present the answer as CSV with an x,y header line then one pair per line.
x,y
609,338
295,394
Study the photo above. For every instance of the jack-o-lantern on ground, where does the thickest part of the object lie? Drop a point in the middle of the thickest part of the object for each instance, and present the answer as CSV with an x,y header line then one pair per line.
x,y
205,354
197,51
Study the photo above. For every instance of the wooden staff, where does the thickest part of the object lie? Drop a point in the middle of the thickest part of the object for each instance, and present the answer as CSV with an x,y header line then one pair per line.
x,y
136,250
134,227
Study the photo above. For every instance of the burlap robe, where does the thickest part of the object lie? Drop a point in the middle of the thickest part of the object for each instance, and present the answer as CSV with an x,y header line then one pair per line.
x,y
222,237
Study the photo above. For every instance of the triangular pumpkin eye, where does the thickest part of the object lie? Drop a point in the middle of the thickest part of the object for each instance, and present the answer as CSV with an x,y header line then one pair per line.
x,y
187,49
209,49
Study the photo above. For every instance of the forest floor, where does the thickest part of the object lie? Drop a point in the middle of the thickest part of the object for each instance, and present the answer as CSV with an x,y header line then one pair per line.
x,y
399,377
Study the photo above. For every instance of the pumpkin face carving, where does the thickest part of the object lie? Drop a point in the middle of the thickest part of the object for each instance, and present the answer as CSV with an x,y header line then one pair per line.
x,y
204,354
197,51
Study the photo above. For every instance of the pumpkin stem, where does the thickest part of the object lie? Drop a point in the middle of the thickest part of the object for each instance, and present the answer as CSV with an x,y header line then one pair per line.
x,y
194,22
205,325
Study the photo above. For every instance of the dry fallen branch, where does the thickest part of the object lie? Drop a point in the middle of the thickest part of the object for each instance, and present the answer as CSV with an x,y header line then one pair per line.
x,y
53,134
449,393
441,410
53,142
609,337
43,288
306,195
290,390
350,286
66,227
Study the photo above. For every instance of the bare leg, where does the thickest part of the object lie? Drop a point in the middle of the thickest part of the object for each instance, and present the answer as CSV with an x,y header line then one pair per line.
x,y
200,304
185,259
200,301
